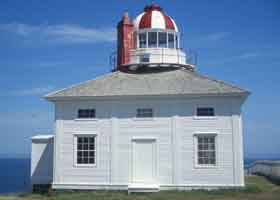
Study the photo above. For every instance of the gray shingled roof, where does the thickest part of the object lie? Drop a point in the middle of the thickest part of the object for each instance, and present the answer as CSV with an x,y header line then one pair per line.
x,y
172,82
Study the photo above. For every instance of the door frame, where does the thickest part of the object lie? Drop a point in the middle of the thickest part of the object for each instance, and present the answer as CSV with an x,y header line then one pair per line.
x,y
154,141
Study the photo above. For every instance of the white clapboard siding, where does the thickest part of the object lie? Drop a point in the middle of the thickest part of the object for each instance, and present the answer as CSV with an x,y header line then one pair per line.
x,y
173,126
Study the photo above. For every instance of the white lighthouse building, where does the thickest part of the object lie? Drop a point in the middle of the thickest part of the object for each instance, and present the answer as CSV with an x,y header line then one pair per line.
x,y
151,124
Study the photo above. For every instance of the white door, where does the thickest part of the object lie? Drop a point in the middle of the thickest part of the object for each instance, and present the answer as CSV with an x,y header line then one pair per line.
x,y
144,161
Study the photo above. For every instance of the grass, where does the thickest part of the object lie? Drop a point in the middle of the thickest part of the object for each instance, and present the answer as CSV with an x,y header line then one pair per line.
x,y
257,188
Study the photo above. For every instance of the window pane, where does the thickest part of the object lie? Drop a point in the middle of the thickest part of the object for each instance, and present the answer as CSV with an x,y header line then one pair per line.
x,y
152,39
91,153
79,161
85,147
142,40
91,139
91,160
170,40
176,41
85,160
162,39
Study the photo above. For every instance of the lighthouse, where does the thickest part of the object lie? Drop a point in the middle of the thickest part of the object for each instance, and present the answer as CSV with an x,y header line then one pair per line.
x,y
152,39
153,123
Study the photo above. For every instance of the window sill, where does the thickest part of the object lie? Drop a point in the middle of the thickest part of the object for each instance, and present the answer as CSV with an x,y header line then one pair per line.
x,y
84,165
143,119
85,119
205,117
205,167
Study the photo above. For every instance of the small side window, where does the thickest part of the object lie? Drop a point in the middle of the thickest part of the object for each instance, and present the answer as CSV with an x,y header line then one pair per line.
x,y
144,113
205,112
86,113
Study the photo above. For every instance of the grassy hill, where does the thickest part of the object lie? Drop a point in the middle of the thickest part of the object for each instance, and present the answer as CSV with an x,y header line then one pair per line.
x,y
257,188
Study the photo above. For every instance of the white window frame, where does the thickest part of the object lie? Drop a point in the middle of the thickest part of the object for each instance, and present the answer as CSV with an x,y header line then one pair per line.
x,y
75,148
196,164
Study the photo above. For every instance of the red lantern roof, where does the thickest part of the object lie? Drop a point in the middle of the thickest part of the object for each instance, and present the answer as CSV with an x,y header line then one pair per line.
x,y
154,17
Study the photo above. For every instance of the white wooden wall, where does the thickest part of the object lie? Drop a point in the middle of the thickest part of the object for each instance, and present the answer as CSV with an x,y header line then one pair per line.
x,y
174,126
42,160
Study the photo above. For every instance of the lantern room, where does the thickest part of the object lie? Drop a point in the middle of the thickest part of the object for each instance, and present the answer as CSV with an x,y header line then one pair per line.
x,y
152,39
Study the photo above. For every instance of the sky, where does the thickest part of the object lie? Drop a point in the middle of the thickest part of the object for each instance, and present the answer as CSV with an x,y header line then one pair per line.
x,y
48,45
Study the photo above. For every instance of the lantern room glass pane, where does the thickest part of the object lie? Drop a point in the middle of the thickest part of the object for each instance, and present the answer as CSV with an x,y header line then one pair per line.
x,y
142,40
176,41
162,39
171,42
152,39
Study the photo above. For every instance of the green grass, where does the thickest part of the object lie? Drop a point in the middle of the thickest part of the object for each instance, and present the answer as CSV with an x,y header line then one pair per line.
x,y
257,188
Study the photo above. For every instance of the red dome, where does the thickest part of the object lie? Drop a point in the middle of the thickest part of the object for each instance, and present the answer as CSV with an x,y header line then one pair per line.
x,y
154,17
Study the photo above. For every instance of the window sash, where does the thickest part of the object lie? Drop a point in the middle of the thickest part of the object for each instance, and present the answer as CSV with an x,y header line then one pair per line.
x,y
152,39
86,150
162,39
205,111
144,113
206,150
171,41
143,40
86,113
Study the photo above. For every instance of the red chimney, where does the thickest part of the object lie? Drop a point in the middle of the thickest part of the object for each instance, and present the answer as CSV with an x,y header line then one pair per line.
x,y
125,40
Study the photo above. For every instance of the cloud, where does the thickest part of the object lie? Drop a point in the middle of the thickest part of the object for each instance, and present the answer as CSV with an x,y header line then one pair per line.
x,y
216,36
60,33
241,57
247,55
33,91
208,40
213,37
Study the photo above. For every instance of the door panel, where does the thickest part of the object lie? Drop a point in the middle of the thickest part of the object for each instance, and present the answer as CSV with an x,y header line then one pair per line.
x,y
144,161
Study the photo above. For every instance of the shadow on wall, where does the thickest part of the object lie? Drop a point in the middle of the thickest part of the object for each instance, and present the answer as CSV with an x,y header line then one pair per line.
x,y
42,162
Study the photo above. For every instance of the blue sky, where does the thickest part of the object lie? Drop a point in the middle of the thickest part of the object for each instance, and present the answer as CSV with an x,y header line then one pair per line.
x,y
47,45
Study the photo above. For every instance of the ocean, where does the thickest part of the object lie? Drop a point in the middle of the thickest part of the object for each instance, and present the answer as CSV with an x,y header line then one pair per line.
x,y
15,174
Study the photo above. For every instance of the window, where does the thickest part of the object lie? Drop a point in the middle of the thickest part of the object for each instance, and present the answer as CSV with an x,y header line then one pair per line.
x,y
144,112
162,39
86,113
152,39
205,112
86,148
142,40
206,150
171,40
145,58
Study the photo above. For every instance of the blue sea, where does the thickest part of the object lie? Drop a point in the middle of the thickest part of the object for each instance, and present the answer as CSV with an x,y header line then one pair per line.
x,y
15,174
